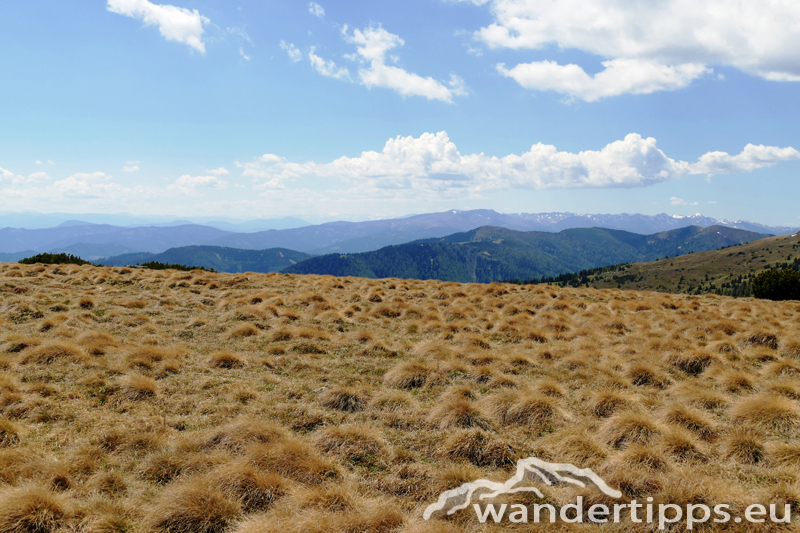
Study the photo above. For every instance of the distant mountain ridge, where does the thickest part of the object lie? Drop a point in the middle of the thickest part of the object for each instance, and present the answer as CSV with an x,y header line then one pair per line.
x,y
218,258
332,237
491,253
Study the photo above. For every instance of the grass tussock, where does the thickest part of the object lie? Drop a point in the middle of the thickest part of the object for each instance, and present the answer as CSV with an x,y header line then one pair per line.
x,y
51,352
769,413
226,359
196,505
343,399
33,508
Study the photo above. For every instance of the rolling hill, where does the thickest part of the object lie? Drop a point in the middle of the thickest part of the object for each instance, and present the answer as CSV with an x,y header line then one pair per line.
x,y
727,271
490,253
217,257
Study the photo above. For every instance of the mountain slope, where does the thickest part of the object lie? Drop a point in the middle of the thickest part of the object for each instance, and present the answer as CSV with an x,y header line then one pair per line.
x,y
216,257
491,254
728,271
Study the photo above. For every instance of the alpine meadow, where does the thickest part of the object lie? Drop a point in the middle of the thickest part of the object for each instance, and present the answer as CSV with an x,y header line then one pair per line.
x,y
418,266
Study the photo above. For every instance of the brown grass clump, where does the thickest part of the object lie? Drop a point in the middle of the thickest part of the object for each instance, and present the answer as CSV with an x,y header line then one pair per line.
x,y
524,408
34,509
744,446
358,444
295,460
692,362
226,359
791,349
97,342
609,401
51,352
630,427
242,433
769,413
458,412
253,489
682,446
691,419
195,505
479,448
245,330
408,375
342,399
138,387
768,340
86,303
9,433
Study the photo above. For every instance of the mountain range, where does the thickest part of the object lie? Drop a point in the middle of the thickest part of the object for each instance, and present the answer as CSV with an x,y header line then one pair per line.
x,y
490,253
95,241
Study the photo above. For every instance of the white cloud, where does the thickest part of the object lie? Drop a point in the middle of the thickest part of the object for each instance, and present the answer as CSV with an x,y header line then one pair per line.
x,y
751,158
316,9
663,43
244,56
327,68
432,162
221,171
372,45
293,52
87,185
620,76
188,185
680,201
130,167
9,177
174,23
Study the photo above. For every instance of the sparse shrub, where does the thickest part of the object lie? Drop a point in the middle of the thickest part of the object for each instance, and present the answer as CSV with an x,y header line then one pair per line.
x,y
54,259
775,284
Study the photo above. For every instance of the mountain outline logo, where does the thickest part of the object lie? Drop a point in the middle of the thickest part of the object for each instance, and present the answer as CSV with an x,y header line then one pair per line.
x,y
529,471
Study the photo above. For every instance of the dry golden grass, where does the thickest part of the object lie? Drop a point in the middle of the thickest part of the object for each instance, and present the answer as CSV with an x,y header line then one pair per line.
x,y
268,402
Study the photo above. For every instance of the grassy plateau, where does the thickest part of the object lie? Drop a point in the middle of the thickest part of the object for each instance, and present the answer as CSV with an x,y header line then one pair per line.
x,y
135,400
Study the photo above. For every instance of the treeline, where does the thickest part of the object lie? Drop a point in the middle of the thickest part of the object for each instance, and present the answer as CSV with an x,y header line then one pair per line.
x,y
54,259
64,259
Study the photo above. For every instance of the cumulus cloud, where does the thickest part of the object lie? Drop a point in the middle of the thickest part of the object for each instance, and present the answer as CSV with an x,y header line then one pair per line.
x,y
221,171
292,51
327,68
620,76
87,185
372,45
188,185
316,9
433,162
174,23
8,177
130,167
664,45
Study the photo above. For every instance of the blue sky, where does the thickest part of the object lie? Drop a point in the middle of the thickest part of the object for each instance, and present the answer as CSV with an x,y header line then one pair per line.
x,y
353,110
